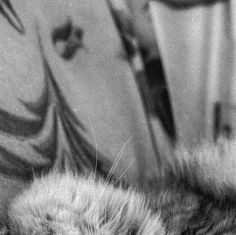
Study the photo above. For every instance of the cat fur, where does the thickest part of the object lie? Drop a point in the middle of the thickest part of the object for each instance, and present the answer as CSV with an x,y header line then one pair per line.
x,y
66,204
197,195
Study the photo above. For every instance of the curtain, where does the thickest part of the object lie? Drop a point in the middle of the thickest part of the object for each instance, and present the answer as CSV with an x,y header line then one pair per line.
x,y
68,94
197,45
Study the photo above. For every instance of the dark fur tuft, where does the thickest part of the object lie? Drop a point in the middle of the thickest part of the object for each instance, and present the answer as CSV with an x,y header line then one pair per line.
x,y
199,190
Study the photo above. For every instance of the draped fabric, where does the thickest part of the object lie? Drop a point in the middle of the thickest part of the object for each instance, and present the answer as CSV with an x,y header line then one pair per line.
x,y
180,4
67,94
197,46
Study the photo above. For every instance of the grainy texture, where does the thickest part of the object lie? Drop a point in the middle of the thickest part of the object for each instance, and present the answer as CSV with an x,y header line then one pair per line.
x,y
199,192
64,204
196,195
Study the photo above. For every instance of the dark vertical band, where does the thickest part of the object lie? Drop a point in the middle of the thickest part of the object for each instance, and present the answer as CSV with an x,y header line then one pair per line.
x,y
9,13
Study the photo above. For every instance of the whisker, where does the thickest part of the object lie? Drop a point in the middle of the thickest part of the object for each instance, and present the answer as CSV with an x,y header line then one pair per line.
x,y
96,147
119,156
113,167
124,172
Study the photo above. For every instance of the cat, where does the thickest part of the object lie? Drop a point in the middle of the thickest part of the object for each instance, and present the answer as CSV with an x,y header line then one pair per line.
x,y
196,195
68,204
